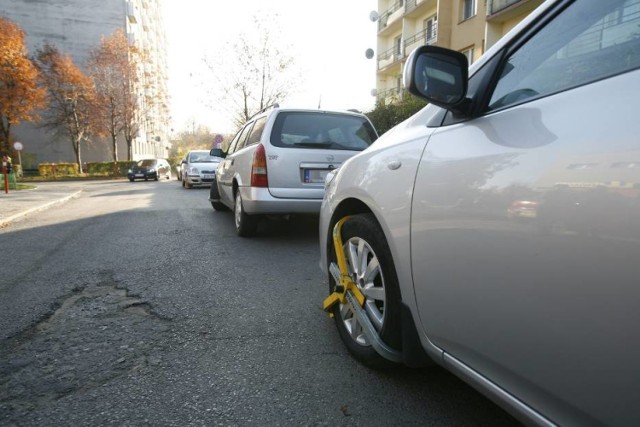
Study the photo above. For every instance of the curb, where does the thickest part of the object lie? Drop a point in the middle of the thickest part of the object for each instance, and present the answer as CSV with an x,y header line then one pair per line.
x,y
7,220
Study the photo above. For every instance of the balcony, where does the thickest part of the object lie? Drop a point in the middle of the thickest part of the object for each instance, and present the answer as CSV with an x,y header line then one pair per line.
x,y
426,36
391,15
131,13
495,6
389,57
389,95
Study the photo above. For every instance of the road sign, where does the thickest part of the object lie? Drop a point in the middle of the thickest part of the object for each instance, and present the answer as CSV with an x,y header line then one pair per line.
x,y
17,146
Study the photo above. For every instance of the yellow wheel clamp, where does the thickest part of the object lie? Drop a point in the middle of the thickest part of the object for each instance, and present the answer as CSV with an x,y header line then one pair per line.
x,y
347,292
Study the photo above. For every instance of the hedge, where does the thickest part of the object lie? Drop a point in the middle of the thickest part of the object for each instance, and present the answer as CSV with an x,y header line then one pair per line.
x,y
58,169
106,168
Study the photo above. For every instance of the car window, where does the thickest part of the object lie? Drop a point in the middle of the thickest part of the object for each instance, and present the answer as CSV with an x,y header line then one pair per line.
x,y
146,162
322,130
588,41
202,157
256,133
241,138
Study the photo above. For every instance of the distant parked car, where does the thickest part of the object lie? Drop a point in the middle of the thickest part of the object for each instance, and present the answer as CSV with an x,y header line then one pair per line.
x,y
150,169
198,168
497,231
278,161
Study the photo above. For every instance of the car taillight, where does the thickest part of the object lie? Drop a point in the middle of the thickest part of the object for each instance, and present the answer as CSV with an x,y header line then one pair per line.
x,y
259,168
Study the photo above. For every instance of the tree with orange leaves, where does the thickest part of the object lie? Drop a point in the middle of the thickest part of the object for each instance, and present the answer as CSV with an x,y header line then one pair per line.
x,y
71,95
20,96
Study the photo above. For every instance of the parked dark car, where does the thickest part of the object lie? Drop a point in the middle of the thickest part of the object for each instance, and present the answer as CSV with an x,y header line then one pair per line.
x,y
150,169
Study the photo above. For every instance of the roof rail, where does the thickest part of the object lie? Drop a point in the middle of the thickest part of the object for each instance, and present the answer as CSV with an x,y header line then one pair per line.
x,y
274,105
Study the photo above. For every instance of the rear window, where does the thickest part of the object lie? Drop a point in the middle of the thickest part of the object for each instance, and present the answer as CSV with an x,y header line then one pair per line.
x,y
322,130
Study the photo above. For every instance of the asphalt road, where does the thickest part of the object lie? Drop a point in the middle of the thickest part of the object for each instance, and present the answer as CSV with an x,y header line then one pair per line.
x,y
136,304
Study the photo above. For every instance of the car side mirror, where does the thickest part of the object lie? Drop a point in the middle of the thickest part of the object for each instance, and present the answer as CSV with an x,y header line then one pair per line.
x,y
439,76
217,152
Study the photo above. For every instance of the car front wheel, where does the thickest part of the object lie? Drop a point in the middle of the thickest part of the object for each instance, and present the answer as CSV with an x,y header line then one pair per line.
x,y
371,268
246,225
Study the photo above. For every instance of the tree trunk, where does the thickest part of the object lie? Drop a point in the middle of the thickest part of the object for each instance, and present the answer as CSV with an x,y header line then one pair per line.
x,y
6,132
130,149
114,146
76,147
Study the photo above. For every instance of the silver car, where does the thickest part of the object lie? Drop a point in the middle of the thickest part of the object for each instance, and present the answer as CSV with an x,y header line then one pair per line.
x,y
277,163
497,231
198,168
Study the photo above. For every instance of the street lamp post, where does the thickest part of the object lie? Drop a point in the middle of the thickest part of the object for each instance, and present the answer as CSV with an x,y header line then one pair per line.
x,y
18,147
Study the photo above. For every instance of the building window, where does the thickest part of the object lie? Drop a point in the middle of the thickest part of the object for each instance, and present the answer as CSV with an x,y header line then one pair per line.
x,y
469,54
397,43
468,9
430,29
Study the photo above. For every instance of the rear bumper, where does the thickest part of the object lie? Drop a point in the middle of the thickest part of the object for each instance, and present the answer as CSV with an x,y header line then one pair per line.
x,y
260,201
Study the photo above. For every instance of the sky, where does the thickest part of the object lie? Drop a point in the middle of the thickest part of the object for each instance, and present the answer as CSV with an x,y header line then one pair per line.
x,y
327,38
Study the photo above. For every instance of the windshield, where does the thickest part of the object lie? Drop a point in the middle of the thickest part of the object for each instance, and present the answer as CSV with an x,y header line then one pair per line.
x,y
322,130
202,157
146,163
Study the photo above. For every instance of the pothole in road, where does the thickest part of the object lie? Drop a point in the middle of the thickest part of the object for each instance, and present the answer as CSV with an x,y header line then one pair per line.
x,y
96,335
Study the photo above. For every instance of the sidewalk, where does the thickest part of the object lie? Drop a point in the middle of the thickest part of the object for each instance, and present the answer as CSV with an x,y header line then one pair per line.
x,y
17,204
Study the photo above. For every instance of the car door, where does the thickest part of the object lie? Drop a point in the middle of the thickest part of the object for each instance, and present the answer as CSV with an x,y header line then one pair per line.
x,y
226,169
525,225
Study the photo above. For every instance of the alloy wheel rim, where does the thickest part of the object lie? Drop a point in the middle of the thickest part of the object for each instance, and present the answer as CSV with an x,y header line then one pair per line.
x,y
238,210
365,271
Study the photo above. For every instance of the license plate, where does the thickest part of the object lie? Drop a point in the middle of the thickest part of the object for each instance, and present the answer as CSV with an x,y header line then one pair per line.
x,y
208,176
139,175
315,176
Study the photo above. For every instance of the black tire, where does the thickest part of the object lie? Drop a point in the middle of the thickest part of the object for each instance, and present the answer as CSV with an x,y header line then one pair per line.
x,y
365,227
156,178
246,225
131,179
214,197
186,184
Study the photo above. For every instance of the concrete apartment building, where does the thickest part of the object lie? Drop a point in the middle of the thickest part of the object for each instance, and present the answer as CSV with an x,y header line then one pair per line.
x,y
468,26
76,27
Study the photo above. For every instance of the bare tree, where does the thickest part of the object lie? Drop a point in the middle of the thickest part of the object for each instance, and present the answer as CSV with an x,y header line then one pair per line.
x,y
127,88
71,96
258,74
113,68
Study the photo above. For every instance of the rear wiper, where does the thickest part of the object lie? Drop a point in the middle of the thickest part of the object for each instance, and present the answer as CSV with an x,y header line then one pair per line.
x,y
314,144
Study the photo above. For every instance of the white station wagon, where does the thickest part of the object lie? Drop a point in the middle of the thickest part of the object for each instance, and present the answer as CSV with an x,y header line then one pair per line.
x,y
277,163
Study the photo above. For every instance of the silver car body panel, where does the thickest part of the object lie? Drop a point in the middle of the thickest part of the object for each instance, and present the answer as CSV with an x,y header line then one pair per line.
x,y
256,200
570,266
